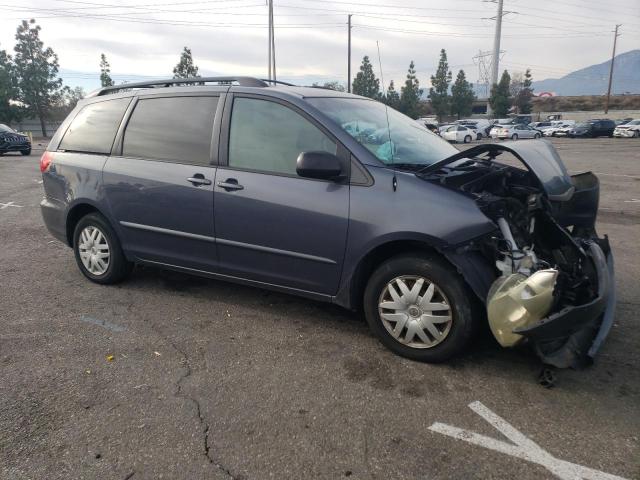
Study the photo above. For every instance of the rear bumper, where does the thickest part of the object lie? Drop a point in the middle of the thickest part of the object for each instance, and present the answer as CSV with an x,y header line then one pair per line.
x,y
573,336
54,216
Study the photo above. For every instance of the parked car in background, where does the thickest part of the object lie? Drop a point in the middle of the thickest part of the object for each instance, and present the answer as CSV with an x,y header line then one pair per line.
x,y
559,128
540,125
12,141
459,134
629,129
312,192
515,132
593,128
482,126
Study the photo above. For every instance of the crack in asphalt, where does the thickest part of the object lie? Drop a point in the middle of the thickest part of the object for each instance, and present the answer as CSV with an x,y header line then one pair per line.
x,y
180,393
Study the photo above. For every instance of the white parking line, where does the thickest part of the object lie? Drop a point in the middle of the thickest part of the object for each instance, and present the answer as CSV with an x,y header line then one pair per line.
x,y
10,204
524,448
617,175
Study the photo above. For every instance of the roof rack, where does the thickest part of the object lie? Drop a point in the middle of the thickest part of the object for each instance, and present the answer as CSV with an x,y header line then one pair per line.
x,y
242,81
278,82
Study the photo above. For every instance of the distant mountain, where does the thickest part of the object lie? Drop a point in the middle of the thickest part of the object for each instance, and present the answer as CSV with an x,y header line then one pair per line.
x,y
593,80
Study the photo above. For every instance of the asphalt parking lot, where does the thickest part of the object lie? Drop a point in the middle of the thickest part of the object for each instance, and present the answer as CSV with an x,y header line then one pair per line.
x,y
171,376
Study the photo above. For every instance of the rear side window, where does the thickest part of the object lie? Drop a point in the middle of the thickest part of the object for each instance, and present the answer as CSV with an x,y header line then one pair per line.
x,y
268,137
175,129
94,127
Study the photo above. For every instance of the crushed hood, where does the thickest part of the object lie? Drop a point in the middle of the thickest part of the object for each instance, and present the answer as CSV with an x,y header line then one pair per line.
x,y
539,156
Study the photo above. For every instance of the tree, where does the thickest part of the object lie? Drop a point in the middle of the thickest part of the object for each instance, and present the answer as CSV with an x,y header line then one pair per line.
x,y
523,98
185,67
9,111
439,91
366,83
410,94
462,96
36,70
499,99
105,71
392,98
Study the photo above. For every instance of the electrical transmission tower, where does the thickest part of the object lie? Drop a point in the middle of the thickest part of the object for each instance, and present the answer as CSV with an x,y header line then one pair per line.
x,y
484,60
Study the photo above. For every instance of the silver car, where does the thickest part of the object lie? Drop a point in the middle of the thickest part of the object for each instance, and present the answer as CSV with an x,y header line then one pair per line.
x,y
515,132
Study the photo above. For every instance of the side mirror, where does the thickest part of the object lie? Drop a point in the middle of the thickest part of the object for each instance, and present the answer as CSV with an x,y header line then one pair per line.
x,y
319,165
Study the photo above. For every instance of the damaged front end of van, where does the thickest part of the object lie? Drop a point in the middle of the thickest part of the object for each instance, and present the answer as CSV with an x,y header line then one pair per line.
x,y
552,280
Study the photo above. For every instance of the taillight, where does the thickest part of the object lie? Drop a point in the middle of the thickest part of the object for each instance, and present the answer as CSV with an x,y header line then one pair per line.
x,y
45,161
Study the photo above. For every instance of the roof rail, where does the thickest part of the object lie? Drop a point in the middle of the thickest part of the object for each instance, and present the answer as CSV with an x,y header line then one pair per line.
x,y
278,82
242,81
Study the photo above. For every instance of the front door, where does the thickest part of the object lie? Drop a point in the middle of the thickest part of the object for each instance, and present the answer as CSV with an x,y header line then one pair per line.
x,y
272,225
160,189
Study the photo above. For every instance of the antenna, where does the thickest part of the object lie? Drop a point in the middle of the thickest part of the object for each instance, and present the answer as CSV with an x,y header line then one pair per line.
x,y
386,112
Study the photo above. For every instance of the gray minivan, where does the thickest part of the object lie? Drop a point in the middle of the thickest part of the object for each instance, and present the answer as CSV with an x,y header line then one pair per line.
x,y
338,198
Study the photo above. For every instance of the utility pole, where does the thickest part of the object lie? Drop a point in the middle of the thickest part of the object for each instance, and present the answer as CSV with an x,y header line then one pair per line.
x,y
349,54
272,43
496,50
613,57
269,36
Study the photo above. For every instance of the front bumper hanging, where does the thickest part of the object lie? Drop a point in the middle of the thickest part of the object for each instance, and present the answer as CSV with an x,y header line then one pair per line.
x,y
573,336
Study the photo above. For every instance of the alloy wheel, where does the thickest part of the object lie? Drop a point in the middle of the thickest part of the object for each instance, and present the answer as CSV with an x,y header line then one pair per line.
x,y
415,311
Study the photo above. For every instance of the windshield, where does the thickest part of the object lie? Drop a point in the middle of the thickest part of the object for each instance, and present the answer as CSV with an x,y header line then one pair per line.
x,y
583,125
5,128
398,140
634,122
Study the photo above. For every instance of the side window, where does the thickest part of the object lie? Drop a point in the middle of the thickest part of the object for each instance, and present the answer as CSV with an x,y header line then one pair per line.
x,y
94,127
175,129
268,137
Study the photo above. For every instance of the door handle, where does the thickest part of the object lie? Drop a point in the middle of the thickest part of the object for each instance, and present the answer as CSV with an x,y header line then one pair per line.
x,y
198,179
230,184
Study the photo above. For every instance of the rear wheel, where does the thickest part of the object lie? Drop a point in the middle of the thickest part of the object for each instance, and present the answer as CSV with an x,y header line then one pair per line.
x,y
98,252
26,152
419,308
514,136
467,139
536,136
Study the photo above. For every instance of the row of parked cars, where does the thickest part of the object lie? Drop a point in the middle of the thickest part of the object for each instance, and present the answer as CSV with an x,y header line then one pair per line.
x,y
466,131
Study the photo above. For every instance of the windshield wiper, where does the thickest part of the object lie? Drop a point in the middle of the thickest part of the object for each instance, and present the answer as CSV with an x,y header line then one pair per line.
x,y
413,167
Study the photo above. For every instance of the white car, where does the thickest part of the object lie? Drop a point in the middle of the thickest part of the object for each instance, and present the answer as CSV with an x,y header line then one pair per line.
x,y
515,132
480,125
563,125
459,133
629,129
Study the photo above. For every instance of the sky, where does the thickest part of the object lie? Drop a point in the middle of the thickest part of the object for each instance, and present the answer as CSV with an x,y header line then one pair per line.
x,y
142,39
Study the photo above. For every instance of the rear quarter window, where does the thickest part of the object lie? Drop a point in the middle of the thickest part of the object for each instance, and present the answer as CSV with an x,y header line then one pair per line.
x,y
94,127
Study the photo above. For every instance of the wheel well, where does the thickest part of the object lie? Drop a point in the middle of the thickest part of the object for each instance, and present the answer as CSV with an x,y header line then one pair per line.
x,y
74,216
378,255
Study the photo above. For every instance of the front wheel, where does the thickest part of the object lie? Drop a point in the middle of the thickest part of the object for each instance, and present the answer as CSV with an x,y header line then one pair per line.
x,y
98,252
419,308
514,136
536,136
467,139
636,134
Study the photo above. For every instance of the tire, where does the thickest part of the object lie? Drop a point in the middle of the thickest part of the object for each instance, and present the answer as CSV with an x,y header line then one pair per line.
x,y
467,139
117,266
514,136
480,136
26,152
636,134
536,136
456,333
